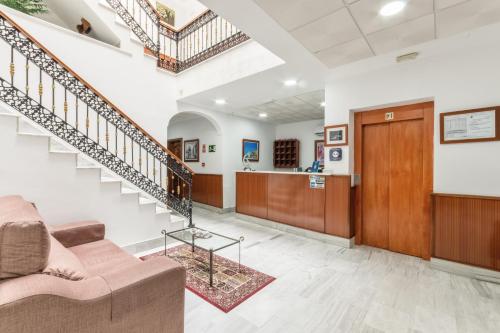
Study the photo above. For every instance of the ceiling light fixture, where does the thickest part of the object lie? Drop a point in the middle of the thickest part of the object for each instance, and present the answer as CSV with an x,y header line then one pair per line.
x,y
407,57
290,83
263,115
220,101
322,104
392,8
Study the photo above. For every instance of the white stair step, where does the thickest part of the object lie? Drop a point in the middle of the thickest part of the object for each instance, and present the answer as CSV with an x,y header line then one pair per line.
x,y
107,179
162,210
177,222
26,127
58,146
146,201
7,110
128,190
106,5
83,162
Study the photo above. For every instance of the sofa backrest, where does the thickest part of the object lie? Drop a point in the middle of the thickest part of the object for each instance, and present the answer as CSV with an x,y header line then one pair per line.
x,y
24,238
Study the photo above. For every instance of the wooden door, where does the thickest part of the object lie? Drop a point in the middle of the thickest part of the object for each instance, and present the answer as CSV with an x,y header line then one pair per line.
x,y
394,158
405,204
376,185
175,146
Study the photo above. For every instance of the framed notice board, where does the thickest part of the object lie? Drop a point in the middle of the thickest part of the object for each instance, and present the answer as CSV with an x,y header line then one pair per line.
x,y
476,125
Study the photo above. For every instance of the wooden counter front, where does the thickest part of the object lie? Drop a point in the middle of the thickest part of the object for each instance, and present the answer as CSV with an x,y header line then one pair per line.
x,y
287,198
251,194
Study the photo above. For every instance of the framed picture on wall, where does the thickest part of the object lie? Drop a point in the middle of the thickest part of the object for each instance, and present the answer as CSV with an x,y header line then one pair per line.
x,y
336,135
250,150
319,151
192,150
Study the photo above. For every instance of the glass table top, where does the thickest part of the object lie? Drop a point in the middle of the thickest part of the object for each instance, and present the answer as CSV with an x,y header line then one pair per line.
x,y
203,239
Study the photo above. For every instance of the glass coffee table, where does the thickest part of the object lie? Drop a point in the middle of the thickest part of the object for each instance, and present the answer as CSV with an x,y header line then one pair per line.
x,y
204,240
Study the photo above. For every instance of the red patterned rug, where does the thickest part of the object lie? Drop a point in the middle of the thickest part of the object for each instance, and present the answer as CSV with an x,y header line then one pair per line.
x,y
231,286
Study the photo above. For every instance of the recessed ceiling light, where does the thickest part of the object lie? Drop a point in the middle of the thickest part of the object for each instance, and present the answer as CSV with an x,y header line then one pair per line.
x,y
220,101
392,8
263,115
290,83
322,104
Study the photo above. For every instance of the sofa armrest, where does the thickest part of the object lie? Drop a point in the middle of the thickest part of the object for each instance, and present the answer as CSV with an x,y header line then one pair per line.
x,y
138,285
34,285
78,233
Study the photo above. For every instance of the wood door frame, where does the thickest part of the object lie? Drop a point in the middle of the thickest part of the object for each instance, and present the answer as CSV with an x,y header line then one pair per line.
x,y
423,111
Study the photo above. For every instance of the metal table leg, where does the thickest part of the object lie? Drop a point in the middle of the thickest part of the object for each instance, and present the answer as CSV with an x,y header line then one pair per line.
x,y
211,254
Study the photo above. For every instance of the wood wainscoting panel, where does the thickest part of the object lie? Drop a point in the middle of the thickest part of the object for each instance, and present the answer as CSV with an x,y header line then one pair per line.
x,y
207,189
251,194
338,217
314,206
286,199
466,229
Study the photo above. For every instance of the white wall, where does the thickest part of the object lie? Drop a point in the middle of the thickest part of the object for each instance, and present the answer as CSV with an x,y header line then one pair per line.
x,y
304,132
185,10
232,131
460,73
200,128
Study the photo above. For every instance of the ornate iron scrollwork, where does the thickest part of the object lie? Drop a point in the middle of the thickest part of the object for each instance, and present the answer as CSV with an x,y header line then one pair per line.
x,y
134,26
20,101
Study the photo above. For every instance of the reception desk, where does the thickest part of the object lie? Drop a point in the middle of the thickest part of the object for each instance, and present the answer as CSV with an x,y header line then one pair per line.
x,y
287,197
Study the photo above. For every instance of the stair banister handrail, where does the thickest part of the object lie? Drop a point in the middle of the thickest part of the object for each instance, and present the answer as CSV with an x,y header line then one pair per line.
x,y
95,91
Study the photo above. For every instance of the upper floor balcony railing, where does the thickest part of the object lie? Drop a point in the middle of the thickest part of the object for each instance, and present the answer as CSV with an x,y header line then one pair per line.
x,y
176,50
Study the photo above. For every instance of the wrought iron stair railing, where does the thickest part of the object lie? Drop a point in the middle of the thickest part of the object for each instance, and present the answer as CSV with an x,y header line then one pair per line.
x,y
176,50
41,87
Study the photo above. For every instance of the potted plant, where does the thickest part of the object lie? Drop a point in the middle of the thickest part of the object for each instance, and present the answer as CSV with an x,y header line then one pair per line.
x,y
27,6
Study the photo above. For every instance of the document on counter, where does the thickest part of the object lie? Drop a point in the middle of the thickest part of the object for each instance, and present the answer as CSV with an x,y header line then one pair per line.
x,y
466,126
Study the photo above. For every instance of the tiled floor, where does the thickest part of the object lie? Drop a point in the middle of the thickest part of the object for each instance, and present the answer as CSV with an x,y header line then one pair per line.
x,y
325,288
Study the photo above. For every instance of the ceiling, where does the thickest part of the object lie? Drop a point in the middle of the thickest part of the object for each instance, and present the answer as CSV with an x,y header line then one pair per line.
x,y
291,109
342,31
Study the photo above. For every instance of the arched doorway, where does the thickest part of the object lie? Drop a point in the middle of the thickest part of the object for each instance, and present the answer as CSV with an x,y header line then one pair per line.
x,y
196,139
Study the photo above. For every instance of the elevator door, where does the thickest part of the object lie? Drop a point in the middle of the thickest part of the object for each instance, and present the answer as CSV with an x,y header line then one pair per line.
x,y
393,186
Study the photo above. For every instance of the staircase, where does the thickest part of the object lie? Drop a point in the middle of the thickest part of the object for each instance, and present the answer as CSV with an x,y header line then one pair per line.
x,y
50,102
177,50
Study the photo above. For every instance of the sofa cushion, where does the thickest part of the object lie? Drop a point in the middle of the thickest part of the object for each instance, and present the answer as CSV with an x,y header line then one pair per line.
x,y
102,257
63,263
24,239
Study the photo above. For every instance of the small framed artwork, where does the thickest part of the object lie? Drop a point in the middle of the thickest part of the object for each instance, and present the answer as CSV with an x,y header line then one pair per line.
x,y
319,151
192,150
335,154
250,150
336,135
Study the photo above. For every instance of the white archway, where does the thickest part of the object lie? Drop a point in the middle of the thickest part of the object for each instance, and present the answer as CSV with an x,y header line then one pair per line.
x,y
206,116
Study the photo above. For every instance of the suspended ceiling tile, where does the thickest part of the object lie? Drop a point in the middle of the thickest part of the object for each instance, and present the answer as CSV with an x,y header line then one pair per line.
x,y
467,16
403,35
441,4
328,31
344,53
314,98
291,14
366,13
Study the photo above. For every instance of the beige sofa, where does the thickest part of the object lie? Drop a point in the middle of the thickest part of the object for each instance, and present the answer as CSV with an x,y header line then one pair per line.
x,y
88,284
